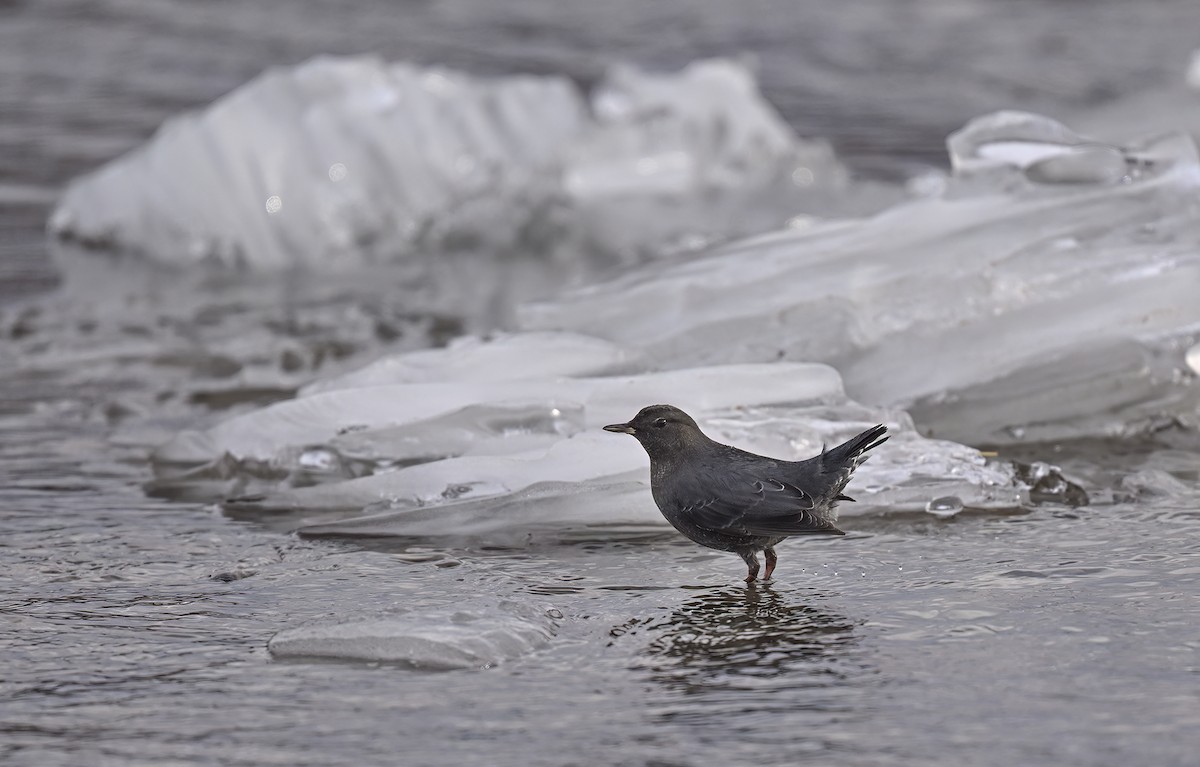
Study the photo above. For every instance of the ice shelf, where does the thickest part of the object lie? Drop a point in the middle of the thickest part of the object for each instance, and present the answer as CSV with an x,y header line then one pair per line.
x,y
595,482
1050,291
502,458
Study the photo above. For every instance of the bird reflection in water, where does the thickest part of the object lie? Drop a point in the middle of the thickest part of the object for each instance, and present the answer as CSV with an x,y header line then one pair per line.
x,y
732,651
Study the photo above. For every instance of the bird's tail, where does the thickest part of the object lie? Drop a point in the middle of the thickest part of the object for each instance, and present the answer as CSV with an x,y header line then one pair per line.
x,y
838,464
849,454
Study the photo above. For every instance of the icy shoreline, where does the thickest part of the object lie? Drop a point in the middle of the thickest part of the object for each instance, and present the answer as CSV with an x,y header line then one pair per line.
x,y
448,456
1049,292
1044,290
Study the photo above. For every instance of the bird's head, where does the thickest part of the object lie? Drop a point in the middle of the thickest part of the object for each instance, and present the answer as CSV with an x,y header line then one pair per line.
x,y
662,429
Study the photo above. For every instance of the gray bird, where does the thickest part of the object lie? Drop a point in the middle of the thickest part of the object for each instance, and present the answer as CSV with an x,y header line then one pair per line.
x,y
725,498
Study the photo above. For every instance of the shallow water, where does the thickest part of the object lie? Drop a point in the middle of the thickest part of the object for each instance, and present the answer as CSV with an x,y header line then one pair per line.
x,y
138,634
135,629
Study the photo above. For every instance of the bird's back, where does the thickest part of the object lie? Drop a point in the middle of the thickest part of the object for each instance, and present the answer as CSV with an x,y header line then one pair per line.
x,y
713,486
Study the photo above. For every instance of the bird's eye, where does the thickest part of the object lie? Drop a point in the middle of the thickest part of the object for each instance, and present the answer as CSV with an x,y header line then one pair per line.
x,y
660,422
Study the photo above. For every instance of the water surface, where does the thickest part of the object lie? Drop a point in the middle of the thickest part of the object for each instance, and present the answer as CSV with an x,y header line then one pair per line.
x,y
135,629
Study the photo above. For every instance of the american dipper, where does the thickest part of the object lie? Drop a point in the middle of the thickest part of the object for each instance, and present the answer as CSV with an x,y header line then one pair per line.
x,y
725,498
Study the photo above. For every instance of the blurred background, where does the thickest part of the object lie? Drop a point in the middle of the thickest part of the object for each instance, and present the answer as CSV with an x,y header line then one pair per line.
x,y
884,81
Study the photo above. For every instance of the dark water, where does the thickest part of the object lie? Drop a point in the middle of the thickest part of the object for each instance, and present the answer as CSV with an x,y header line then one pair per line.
x,y
133,630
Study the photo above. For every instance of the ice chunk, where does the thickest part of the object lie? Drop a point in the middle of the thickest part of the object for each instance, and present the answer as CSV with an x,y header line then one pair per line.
x,y
1150,482
357,155
1193,71
318,418
1192,358
903,478
342,162
596,481
946,507
676,161
504,427
608,506
576,459
1044,150
1162,107
1005,310
693,144
473,634
501,358
1046,484
467,457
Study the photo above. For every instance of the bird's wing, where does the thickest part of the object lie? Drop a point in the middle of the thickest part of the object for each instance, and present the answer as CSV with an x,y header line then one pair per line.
x,y
752,506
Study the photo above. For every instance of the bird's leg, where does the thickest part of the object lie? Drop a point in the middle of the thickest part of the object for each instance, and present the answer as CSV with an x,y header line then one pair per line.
x,y
772,560
752,563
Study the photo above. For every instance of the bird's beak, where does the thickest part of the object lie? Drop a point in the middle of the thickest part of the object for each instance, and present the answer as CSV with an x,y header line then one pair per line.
x,y
620,428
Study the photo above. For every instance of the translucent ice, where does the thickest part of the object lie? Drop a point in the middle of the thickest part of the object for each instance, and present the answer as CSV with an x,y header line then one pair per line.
x,y
478,429
576,459
1042,150
945,507
596,481
267,434
339,163
504,357
610,506
900,477
698,146
335,162
1030,301
477,634
500,470
1192,357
